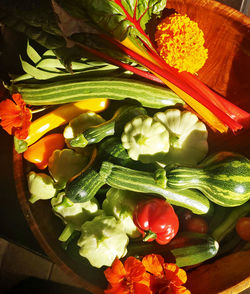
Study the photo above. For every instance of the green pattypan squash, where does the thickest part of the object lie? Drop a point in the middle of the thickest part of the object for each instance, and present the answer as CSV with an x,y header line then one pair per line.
x,y
102,240
41,186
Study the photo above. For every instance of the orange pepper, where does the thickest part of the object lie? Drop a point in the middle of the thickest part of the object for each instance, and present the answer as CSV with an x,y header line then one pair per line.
x,y
40,152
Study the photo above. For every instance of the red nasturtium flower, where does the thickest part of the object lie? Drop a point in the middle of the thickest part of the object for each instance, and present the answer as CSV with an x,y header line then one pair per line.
x,y
149,276
128,278
15,116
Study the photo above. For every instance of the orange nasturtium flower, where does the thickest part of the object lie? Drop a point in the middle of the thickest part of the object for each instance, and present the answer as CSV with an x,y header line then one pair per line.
x,y
128,278
166,278
149,276
180,42
15,116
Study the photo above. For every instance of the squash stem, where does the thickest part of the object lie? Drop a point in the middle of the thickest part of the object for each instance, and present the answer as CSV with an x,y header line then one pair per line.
x,y
66,233
79,141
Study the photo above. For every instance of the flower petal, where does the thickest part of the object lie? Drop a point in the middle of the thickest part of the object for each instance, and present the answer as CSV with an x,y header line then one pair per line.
x,y
21,132
141,289
154,264
116,290
17,97
15,118
182,290
134,268
116,273
175,274
173,289
8,113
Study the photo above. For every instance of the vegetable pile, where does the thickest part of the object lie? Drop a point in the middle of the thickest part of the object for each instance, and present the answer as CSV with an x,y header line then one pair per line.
x,y
138,176
125,165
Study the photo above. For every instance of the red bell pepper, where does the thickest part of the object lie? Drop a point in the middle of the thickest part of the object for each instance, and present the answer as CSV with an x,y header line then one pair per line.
x,y
156,220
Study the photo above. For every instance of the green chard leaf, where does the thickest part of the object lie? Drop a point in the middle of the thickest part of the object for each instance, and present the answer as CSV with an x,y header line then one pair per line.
x,y
124,18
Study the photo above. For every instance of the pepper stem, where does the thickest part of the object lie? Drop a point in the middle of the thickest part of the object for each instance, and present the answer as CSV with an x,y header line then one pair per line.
x,y
149,235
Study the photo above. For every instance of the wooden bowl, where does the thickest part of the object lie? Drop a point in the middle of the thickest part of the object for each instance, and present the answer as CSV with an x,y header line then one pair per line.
x,y
227,71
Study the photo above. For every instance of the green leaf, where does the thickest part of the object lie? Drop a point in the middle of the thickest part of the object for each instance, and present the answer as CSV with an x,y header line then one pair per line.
x,y
22,78
49,53
50,63
32,54
35,72
20,145
124,18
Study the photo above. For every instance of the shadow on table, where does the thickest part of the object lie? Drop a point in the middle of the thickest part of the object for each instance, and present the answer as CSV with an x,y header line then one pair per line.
x,y
38,286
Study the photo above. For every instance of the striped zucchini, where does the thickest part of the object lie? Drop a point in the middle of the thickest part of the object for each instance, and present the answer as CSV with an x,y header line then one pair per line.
x,y
224,178
145,182
195,254
84,187
86,86
81,188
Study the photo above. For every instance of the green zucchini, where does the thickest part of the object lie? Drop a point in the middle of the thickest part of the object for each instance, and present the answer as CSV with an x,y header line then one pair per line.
x,y
147,182
195,254
115,125
83,188
112,150
220,213
225,227
188,248
223,178
79,87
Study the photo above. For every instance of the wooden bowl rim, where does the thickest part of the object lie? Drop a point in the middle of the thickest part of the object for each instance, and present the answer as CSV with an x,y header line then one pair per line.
x,y
220,9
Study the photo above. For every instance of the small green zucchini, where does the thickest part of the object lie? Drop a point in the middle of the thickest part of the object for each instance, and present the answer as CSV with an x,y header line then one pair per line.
x,y
115,125
224,178
84,187
112,150
188,248
225,227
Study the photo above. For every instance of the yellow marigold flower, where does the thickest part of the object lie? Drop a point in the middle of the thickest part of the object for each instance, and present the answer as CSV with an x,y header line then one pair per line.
x,y
180,43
